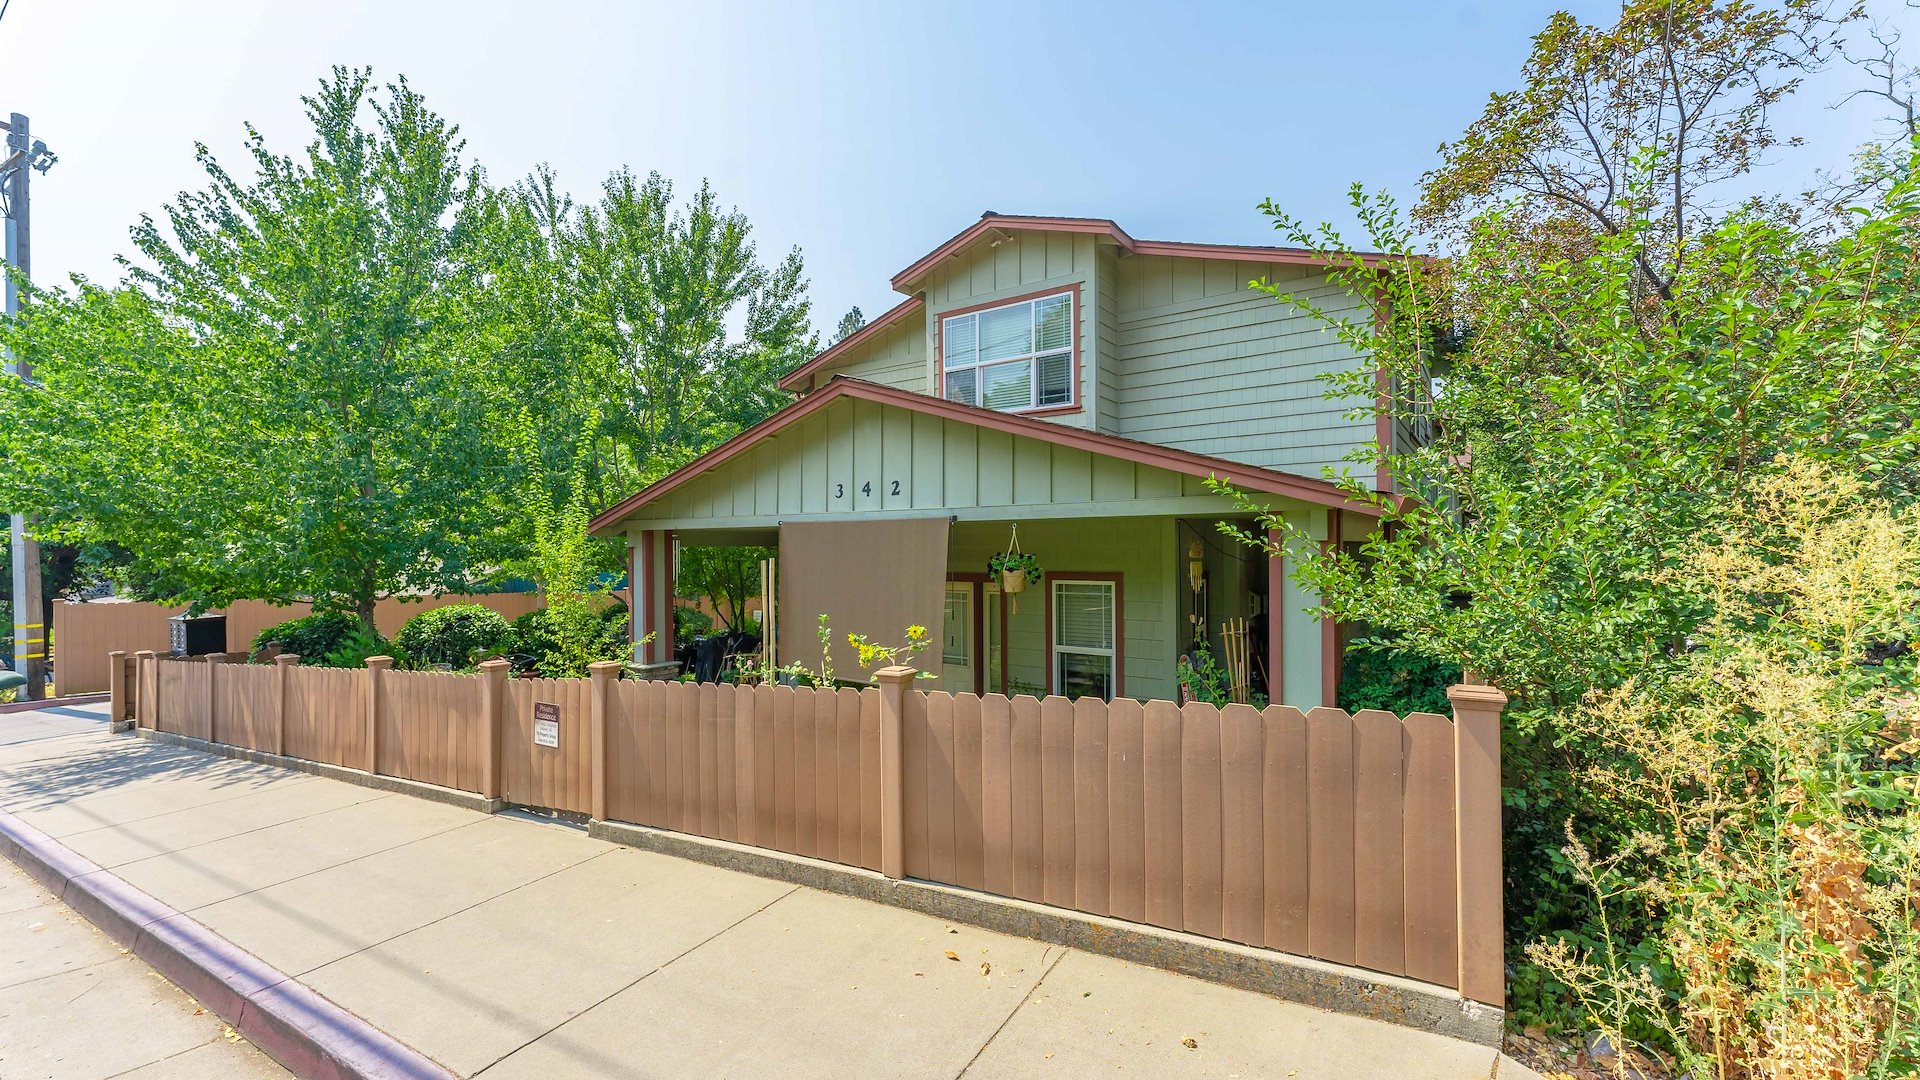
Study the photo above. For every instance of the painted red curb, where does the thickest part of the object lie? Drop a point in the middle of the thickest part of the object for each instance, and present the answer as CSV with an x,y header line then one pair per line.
x,y
311,1036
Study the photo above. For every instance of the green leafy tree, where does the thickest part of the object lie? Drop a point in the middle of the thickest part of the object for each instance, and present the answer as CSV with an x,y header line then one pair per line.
x,y
850,324
1579,453
660,288
729,576
1628,128
287,398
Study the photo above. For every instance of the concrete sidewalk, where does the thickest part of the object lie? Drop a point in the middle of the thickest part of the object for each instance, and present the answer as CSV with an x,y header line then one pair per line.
x,y
504,946
73,1004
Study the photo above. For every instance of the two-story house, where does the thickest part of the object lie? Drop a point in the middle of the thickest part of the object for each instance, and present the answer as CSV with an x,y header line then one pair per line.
x,y
1057,377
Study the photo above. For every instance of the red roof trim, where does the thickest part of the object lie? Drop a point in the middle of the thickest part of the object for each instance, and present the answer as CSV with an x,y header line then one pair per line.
x,y
1110,229
1306,489
792,379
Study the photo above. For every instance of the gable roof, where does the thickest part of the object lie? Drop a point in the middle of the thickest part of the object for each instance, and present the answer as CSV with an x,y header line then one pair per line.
x,y
1108,229
1249,477
792,379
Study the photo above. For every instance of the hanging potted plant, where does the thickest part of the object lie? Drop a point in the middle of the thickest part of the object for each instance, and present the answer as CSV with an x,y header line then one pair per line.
x,y
1014,567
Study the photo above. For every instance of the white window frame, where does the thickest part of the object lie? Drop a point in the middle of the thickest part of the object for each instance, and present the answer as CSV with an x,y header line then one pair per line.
x,y
1111,652
1030,358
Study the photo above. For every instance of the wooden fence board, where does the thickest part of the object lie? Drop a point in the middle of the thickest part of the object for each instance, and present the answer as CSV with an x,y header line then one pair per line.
x,y
806,810
847,816
1200,818
826,773
870,779
1160,759
969,827
725,739
1092,821
706,781
1029,802
1056,787
1432,928
1330,933
1283,808
996,793
1243,882
745,813
1127,806
765,786
938,785
1379,855
785,814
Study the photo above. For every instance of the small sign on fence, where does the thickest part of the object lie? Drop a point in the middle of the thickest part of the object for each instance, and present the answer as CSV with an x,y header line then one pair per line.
x,y
546,724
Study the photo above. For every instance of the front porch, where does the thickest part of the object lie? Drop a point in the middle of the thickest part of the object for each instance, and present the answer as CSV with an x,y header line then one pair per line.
x,y
924,492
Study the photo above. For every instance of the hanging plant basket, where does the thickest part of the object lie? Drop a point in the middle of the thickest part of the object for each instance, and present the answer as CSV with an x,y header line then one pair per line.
x,y
1014,568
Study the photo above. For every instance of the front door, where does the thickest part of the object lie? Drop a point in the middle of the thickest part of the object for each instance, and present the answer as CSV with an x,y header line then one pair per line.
x,y
958,661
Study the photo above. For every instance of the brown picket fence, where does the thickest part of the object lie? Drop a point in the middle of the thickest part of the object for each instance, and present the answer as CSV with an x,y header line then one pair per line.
x,y
1370,840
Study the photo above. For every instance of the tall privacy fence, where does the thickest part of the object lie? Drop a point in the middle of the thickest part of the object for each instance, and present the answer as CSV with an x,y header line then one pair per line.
x,y
1370,839
83,634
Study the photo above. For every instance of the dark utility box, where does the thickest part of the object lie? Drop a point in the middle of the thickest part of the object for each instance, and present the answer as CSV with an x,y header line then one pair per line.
x,y
197,636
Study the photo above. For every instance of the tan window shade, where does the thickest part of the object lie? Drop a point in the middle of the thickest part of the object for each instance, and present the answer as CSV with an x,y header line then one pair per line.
x,y
872,577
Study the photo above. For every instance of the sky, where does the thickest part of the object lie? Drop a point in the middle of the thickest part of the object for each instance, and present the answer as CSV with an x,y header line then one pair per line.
x,y
863,133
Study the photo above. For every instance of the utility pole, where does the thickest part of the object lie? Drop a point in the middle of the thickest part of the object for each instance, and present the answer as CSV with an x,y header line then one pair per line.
x,y
23,156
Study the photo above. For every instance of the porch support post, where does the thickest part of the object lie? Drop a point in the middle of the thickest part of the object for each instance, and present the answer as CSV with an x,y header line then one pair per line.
x,y
1276,619
652,612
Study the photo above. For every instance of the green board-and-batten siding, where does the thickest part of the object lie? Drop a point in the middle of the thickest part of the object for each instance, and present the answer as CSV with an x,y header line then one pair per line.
x,y
897,356
1204,363
857,457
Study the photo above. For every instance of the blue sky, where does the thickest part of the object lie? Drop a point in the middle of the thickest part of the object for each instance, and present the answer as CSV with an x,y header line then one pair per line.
x,y
863,133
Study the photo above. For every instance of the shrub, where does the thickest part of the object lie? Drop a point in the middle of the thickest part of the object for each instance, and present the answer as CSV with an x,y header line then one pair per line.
x,y
310,637
459,635
533,638
1379,676
690,623
353,650
559,642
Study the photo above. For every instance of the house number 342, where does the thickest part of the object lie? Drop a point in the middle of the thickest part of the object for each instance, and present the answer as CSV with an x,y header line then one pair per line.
x,y
840,490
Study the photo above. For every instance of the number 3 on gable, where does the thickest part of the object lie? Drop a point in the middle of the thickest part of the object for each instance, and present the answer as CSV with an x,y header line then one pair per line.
x,y
839,491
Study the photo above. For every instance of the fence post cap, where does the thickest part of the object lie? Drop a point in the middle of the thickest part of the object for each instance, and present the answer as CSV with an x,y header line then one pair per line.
x,y
116,652
379,662
488,667
287,659
606,667
900,673
144,654
1479,696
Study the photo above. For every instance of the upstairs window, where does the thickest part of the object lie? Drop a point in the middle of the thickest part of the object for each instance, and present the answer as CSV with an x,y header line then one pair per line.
x,y
1013,357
